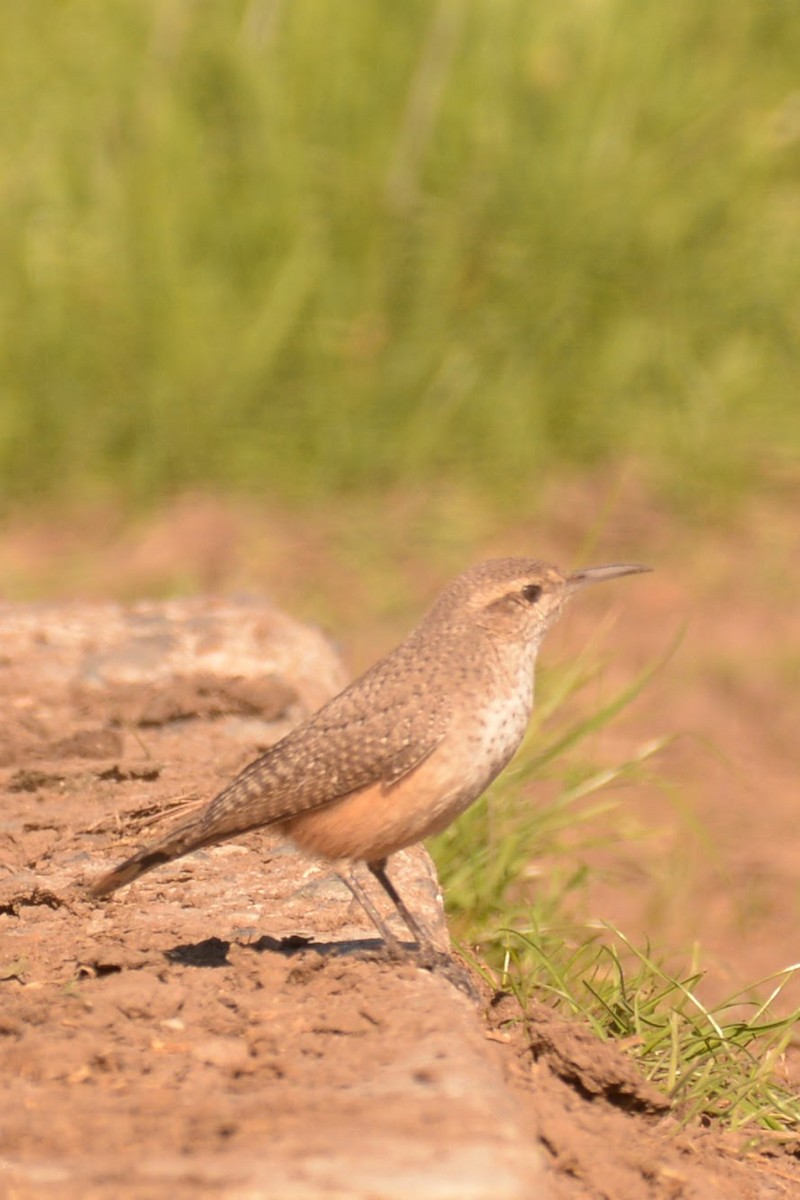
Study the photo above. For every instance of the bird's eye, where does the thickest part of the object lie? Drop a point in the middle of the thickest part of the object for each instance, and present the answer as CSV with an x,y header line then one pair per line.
x,y
531,592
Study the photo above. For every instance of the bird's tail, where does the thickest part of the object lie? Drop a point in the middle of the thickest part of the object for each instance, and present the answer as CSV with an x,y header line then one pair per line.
x,y
183,840
237,809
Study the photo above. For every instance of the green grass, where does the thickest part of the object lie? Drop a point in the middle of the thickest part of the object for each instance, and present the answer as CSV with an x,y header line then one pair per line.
x,y
529,930
305,248
720,1063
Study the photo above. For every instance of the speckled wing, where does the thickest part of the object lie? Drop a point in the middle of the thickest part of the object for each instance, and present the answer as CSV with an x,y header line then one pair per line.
x,y
378,730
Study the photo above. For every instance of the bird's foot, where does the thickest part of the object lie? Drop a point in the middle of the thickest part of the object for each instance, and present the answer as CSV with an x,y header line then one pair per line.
x,y
428,958
438,962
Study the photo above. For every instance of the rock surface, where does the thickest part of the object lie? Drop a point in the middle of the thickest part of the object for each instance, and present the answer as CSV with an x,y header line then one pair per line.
x,y
230,1024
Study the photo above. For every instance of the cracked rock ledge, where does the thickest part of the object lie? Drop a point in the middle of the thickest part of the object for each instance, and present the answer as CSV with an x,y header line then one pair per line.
x,y
229,1025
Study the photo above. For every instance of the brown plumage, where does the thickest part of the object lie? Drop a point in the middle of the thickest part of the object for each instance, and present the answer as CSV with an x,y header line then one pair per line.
x,y
407,746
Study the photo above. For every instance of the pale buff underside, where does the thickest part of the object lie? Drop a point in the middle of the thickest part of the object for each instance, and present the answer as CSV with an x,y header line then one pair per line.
x,y
375,822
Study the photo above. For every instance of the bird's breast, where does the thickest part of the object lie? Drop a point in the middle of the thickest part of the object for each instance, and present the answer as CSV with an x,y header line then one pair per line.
x,y
491,736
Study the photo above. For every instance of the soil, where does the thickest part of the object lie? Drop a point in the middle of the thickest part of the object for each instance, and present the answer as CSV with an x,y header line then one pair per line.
x,y
608,1134
152,1029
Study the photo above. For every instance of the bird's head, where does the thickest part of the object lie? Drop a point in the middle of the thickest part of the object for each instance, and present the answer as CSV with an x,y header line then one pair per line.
x,y
519,598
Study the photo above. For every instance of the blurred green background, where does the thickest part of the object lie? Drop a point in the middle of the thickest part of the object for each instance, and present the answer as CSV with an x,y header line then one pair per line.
x,y
308,248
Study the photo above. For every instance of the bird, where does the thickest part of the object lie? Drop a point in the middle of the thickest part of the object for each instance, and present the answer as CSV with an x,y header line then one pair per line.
x,y
403,750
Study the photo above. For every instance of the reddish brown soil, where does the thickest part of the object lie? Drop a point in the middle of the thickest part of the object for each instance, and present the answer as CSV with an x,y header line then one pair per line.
x,y
158,1034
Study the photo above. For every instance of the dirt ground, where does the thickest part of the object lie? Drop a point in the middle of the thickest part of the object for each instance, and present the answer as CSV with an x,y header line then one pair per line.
x,y
142,1033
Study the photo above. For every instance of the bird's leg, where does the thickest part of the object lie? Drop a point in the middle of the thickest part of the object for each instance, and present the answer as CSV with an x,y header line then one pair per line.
x,y
427,954
351,880
424,941
378,870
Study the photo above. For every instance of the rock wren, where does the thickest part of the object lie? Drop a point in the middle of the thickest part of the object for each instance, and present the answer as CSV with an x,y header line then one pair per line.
x,y
398,754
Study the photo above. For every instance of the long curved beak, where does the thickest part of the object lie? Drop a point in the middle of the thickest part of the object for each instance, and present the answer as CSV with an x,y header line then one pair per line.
x,y
579,579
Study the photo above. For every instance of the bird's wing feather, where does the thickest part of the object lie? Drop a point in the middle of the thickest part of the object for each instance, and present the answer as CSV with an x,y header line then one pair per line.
x,y
372,732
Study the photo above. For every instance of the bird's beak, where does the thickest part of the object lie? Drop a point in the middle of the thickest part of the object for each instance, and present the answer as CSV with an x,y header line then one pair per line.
x,y
579,579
